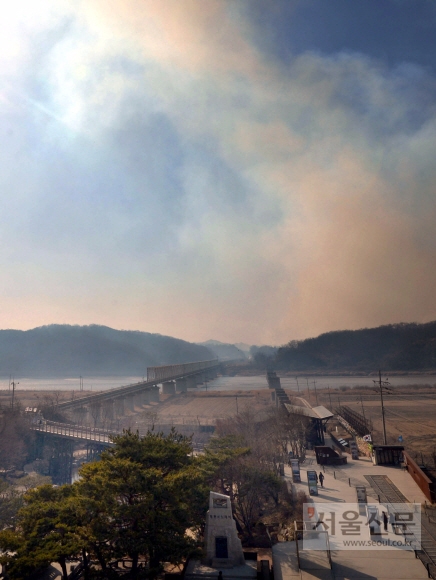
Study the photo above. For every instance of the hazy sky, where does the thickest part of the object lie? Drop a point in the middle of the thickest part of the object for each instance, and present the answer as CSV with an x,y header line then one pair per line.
x,y
250,170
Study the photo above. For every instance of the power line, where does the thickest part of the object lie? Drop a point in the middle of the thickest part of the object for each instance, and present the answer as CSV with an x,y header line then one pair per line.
x,y
433,427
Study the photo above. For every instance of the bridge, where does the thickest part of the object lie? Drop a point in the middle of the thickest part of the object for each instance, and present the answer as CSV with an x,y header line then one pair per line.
x,y
173,378
75,432
105,408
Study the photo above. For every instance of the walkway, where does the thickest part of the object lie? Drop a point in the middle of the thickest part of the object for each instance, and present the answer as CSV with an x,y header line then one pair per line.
x,y
339,486
75,432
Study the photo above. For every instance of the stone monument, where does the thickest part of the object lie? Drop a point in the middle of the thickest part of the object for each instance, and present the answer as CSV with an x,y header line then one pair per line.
x,y
223,547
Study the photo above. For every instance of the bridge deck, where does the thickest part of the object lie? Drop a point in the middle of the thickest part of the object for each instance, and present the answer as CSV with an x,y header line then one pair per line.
x,y
75,432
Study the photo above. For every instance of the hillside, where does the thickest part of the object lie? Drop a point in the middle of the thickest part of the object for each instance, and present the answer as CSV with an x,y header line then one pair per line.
x,y
63,350
224,351
395,347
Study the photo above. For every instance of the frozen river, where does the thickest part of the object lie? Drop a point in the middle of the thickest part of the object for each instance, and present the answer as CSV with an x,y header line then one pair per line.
x,y
220,384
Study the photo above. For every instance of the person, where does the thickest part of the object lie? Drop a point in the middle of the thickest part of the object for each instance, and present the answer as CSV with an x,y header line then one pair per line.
x,y
385,521
321,478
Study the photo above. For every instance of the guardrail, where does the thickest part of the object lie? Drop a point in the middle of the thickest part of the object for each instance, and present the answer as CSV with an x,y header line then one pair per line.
x,y
74,431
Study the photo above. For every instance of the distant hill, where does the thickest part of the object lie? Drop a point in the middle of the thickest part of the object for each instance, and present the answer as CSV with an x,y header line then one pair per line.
x,y
394,347
224,351
64,350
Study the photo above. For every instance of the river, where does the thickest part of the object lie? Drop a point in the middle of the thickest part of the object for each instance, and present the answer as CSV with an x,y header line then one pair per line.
x,y
225,383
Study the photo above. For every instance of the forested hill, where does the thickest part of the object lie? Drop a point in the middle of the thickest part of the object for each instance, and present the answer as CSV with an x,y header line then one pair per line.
x,y
63,350
401,347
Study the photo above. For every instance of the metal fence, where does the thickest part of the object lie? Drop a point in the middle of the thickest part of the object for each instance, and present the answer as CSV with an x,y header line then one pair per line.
x,y
171,371
74,432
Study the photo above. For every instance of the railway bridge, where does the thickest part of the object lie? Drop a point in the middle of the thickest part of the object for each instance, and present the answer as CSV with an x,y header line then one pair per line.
x,y
87,414
91,409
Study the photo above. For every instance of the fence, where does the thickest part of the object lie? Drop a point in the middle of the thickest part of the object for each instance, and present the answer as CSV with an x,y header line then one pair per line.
x,y
173,371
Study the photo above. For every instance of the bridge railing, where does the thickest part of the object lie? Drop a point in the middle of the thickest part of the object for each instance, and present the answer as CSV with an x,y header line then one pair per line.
x,y
74,431
171,371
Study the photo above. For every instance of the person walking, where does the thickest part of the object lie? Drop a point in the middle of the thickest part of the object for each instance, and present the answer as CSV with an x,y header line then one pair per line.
x,y
385,521
321,478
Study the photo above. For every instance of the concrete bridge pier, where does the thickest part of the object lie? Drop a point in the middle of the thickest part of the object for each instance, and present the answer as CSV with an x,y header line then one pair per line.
x,y
200,378
137,400
154,394
119,407
129,402
181,385
191,382
145,396
108,411
169,388
79,415
94,414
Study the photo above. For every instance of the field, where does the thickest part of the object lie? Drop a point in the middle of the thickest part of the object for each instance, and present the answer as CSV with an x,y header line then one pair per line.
x,y
410,410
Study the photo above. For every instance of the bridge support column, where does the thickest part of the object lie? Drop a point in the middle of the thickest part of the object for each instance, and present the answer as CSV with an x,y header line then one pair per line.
x,y
145,395
108,411
130,402
61,461
94,413
79,415
200,378
181,385
191,382
154,394
137,400
119,406
168,388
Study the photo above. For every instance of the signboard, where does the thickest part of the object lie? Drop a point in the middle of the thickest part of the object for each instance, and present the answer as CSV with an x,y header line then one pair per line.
x,y
354,450
312,482
295,467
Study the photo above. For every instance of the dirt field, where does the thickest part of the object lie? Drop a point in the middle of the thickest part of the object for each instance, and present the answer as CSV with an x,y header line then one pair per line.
x,y
410,412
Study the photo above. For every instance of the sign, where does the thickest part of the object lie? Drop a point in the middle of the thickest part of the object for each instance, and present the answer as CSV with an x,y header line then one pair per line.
x,y
367,437
400,438
295,468
312,482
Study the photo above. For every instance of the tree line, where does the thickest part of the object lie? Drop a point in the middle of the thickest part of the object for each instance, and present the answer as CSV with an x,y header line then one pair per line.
x,y
393,347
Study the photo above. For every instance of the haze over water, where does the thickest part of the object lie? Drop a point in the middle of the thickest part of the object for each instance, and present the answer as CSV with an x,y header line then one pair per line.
x,y
225,383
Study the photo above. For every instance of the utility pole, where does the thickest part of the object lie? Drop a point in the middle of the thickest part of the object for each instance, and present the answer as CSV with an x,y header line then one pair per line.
x,y
316,394
330,398
237,410
308,389
363,410
298,386
13,383
382,385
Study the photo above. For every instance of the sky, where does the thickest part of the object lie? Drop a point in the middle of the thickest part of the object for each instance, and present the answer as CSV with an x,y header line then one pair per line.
x,y
243,170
